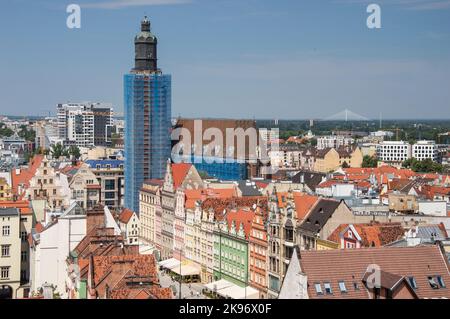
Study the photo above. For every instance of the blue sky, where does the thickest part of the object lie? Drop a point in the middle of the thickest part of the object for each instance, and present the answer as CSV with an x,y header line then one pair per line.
x,y
291,59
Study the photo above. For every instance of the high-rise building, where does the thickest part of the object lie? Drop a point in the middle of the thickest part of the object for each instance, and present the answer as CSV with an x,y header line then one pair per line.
x,y
85,124
147,109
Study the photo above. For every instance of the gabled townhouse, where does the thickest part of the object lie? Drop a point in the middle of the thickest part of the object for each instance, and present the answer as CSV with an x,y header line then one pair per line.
x,y
330,159
5,186
202,208
231,249
84,186
366,235
50,184
130,226
298,219
258,250
160,204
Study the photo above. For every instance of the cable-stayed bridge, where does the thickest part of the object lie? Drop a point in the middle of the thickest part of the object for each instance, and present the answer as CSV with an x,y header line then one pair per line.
x,y
346,115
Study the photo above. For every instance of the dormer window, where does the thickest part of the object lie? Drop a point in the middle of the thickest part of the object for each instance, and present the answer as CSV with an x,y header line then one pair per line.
x,y
350,234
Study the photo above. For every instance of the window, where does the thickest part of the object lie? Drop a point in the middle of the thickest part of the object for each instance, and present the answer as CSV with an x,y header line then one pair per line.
x,y
110,184
4,272
412,282
23,256
5,250
433,283
342,286
5,230
328,290
318,289
440,281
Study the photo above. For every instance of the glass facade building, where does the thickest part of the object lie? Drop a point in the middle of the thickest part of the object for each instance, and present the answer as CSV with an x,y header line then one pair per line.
x,y
147,131
220,168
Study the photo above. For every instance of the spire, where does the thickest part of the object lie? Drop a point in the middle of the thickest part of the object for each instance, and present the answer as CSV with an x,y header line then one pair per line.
x,y
145,24
145,48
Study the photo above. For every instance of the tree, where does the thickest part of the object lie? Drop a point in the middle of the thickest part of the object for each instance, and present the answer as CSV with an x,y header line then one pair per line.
x,y
4,131
369,161
25,133
74,151
57,150
424,166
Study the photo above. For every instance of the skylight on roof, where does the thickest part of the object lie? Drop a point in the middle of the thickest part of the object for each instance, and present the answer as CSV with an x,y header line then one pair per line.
x,y
440,281
318,288
328,289
412,282
342,286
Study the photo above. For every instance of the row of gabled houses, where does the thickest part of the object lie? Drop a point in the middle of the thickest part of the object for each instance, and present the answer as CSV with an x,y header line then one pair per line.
x,y
229,236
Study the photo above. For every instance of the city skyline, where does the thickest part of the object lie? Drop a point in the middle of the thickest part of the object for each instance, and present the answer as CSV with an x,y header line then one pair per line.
x,y
269,56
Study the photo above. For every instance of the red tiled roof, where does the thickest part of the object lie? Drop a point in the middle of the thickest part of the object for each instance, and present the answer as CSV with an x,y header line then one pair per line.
x,y
241,216
179,172
260,184
26,174
375,234
125,216
22,205
39,227
193,195
350,265
219,205
303,204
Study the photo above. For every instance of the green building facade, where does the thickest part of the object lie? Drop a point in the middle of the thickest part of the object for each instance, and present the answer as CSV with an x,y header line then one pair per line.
x,y
231,253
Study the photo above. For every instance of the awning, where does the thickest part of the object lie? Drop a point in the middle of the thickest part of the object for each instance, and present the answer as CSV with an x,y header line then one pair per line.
x,y
227,289
186,269
169,263
218,285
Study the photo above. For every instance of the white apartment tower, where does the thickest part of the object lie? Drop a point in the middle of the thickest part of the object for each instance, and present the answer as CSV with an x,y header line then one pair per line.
x,y
85,124
333,141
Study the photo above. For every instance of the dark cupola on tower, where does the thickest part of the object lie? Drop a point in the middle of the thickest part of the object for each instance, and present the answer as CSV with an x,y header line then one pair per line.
x,y
145,48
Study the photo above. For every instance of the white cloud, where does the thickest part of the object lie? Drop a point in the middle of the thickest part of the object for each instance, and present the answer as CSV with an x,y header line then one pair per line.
x,y
118,4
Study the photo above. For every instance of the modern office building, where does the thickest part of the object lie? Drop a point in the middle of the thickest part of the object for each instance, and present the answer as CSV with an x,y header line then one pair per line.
x,y
109,174
85,124
422,150
147,106
393,151
220,168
